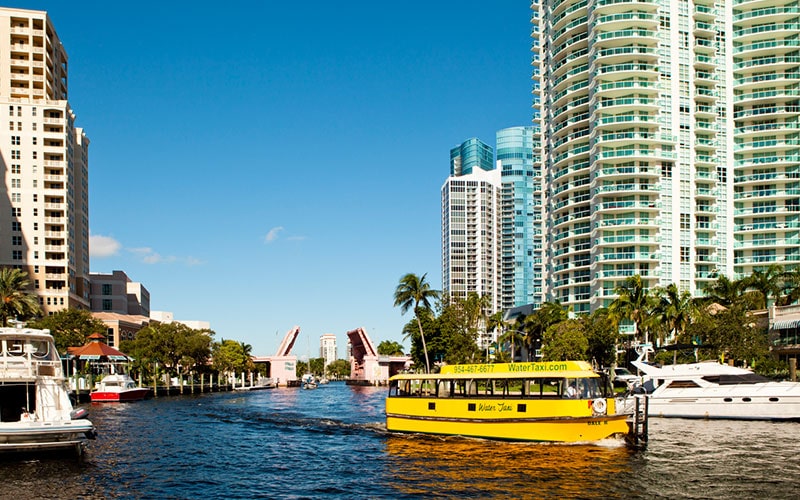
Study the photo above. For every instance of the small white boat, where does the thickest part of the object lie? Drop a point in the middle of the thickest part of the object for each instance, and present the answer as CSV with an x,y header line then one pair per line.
x,y
118,387
712,390
308,382
35,410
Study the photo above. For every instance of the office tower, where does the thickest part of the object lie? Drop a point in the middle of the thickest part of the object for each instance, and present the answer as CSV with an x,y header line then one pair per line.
x,y
522,249
44,162
471,229
645,107
327,348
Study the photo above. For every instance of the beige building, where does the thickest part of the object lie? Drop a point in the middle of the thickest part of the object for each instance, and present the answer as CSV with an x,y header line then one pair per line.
x,y
116,293
44,164
120,327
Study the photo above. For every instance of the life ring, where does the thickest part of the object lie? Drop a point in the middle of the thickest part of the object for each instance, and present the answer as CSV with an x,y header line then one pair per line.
x,y
599,406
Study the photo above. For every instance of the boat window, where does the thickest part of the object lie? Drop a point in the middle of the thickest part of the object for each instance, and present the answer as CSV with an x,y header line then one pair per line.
x,y
682,384
746,378
580,388
543,387
40,348
15,347
445,389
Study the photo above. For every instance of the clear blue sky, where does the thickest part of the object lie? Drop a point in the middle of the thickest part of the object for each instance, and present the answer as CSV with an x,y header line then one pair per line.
x,y
265,164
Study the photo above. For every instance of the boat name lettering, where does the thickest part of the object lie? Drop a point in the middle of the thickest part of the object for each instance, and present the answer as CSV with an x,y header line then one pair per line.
x,y
500,408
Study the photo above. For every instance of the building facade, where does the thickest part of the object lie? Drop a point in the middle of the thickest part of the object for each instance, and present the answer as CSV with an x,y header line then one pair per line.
x,y
521,217
640,103
116,293
327,348
44,163
471,227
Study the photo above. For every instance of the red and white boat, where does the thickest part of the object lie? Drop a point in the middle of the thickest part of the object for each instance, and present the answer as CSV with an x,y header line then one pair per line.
x,y
118,388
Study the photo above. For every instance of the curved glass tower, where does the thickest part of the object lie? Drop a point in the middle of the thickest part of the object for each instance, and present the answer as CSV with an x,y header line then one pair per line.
x,y
521,174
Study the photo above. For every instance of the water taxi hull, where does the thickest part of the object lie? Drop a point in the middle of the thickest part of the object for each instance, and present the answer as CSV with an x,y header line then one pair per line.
x,y
511,420
566,430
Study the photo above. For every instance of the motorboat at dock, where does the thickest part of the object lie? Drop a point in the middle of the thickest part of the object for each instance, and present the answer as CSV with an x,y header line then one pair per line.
x,y
709,389
35,410
564,401
116,388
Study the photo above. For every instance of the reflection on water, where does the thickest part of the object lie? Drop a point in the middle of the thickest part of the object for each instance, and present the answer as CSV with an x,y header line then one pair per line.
x,y
332,443
485,469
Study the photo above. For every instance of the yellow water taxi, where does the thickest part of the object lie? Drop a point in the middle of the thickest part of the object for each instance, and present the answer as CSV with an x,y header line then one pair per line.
x,y
562,401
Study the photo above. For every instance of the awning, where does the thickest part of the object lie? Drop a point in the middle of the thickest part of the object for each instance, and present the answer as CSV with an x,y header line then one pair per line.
x,y
90,356
786,324
118,358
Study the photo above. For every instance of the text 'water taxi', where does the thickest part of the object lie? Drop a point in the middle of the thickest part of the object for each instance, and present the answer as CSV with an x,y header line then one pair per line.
x,y
563,401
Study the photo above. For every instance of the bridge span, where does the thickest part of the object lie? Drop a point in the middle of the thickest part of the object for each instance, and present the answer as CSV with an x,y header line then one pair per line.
x,y
367,367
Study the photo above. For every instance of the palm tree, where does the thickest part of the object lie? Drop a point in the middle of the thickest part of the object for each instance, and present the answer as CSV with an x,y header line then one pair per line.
x,y
632,302
495,322
415,291
674,309
536,323
768,283
791,286
724,291
511,336
15,299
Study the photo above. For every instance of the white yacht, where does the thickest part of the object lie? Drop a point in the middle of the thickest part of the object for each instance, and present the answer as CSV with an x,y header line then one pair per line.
x,y
712,390
35,410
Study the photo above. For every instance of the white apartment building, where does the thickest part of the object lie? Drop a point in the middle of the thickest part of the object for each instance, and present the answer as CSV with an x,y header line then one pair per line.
x,y
670,141
44,156
471,234
327,348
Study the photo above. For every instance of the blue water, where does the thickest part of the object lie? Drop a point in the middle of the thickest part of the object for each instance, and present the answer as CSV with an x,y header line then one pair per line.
x,y
331,443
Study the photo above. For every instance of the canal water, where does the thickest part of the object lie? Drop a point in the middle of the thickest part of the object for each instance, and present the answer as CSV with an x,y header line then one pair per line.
x,y
331,443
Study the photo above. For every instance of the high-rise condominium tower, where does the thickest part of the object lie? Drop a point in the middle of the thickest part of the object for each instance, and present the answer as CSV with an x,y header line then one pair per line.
x,y
327,348
471,237
518,160
670,141
44,162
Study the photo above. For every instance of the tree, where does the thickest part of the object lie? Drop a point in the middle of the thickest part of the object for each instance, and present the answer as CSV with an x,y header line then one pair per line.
x,y
414,291
16,301
175,346
229,356
632,303
390,348
537,323
511,336
456,332
602,335
724,291
767,283
674,309
70,327
565,341
339,369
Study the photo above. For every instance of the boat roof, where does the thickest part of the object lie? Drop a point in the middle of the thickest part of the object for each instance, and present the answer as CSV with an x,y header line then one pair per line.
x,y
25,332
552,369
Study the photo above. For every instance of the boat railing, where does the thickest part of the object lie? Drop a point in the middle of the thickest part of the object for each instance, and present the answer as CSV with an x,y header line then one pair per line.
x,y
23,367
